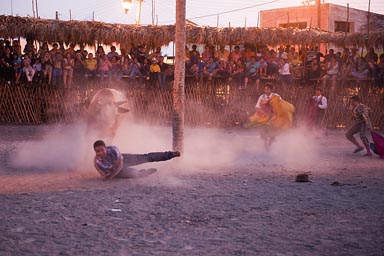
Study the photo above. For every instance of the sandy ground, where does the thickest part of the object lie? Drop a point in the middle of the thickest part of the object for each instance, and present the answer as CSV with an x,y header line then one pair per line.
x,y
226,196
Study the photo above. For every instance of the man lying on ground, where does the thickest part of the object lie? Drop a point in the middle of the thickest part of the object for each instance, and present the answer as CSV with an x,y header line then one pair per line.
x,y
109,162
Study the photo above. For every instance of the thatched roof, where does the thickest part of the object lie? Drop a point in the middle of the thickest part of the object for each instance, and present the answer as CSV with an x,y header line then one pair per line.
x,y
89,32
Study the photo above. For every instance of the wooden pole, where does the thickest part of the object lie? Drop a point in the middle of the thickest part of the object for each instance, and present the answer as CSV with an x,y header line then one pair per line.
x,y
37,9
33,8
347,28
179,82
153,12
138,13
318,14
258,18
368,20
288,18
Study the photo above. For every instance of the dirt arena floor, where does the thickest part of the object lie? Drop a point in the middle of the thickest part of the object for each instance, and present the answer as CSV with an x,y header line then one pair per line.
x,y
225,196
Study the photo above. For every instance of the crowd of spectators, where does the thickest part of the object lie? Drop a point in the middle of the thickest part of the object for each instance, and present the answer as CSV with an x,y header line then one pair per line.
x,y
62,66
308,65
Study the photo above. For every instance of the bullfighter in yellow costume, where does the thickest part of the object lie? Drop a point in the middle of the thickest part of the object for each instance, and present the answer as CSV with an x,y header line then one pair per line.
x,y
273,113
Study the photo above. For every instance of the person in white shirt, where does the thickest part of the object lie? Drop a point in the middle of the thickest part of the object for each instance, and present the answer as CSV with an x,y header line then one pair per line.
x,y
285,74
321,104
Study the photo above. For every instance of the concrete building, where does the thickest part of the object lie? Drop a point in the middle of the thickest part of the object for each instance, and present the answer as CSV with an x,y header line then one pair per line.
x,y
333,18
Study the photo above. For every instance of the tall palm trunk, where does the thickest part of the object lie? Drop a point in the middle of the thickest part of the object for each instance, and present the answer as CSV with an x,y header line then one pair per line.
x,y
179,82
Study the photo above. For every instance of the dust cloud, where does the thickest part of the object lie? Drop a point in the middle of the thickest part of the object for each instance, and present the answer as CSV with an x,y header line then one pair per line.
x,y
213,150
63,148
210,150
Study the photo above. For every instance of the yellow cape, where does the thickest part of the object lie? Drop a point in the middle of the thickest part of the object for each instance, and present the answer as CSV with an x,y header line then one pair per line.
x,y
281,117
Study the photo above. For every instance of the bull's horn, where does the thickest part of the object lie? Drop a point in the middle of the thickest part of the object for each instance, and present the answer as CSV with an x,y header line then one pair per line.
x,y
122,110
121,102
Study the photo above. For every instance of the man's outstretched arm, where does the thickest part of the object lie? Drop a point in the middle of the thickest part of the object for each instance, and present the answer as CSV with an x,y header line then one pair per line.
x,y
117,167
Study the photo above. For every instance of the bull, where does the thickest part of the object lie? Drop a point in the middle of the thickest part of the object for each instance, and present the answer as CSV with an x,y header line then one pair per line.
x,y
104,112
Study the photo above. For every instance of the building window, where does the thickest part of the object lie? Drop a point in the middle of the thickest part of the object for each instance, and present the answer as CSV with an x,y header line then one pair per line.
x,y
301,25
342,26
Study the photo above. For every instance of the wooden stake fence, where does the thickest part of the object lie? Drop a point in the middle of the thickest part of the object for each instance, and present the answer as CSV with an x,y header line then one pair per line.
x,y
216,103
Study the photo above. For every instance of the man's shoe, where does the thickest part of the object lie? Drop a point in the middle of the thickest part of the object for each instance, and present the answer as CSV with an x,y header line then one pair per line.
x,y
176,154
358,150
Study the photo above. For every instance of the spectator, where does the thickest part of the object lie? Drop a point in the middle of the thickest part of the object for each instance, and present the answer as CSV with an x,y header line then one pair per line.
x,y
248,53
46,64
16,47
124,55
328,57
284,72
197,70
223,69
27,68
263,66
115,69
70,50
155,71
79,67
99,52
113,53
145,69
332,68
68,64
371,55
236,54
90,65
210,68
43,50
239,73
17,65
346,54
155,54
136,69
55,49
2,47
104,67
222,54
313,73
38,77
381,70
252,71
57,68
273,64
194,55
125,66
355,55
134,52
29,47
362,70
143,53
347,67
187,57
166,71
7,62
82,51
207,54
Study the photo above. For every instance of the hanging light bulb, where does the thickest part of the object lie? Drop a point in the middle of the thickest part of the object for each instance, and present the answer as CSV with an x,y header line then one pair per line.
x,y
127,5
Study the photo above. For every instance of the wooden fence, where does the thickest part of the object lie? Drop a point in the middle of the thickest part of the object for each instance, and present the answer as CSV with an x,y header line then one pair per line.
x,y
217,103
